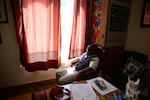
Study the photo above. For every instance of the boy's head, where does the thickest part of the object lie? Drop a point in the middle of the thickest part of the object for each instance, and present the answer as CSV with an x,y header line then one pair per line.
x,y
95,50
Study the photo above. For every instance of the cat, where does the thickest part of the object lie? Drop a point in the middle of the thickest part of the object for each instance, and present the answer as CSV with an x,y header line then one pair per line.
x,y
132,91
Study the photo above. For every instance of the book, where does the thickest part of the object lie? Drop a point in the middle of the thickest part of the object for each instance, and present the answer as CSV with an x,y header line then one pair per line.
x,y
83,92
101,85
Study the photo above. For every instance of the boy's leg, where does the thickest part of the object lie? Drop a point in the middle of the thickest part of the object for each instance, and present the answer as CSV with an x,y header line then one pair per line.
x,y
61,73
68,78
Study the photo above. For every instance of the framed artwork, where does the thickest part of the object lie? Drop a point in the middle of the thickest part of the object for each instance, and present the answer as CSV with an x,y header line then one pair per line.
x,y
131,69
3,12
119,18
145,18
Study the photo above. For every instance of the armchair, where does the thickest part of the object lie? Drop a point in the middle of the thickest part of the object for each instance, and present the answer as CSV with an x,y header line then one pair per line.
x,y
94,55
94,73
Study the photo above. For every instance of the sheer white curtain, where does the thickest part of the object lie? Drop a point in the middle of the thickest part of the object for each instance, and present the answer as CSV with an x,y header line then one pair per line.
x,y
66,27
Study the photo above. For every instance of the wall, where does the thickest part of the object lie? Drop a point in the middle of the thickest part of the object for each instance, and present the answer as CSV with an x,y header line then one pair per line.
x,y
138,38
10,72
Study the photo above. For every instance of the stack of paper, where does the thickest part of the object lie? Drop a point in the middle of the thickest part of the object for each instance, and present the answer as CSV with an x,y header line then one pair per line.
x,y
83,92
103,89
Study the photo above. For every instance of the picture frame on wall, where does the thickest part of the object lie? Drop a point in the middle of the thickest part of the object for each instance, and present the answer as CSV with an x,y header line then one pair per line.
x,y
145,18
3,12
119,18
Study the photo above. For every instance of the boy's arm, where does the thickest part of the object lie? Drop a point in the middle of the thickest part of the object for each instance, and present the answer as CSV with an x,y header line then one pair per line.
x,y
73,60
76,59
92,67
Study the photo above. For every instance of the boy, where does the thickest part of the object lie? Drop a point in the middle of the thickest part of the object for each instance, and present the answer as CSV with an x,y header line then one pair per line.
x,y
87,62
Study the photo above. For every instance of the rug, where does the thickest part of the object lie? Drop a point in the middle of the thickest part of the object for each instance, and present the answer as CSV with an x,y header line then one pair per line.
x,y
39,95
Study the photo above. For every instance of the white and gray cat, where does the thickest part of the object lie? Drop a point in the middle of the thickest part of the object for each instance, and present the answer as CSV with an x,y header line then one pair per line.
x,y
132,91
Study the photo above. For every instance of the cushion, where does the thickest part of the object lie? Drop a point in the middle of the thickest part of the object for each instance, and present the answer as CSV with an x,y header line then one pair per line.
x,y
133,68
39,95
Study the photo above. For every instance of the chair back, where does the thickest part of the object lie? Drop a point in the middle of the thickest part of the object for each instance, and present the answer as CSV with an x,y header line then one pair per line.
x,y
101,63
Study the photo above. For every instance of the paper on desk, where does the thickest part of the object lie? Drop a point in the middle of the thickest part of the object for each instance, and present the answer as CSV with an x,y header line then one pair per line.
x,y
109,86
83,92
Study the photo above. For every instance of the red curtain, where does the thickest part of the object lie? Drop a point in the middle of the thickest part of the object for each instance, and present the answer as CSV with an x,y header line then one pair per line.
x,y
41,33
39,36
16,5
78,28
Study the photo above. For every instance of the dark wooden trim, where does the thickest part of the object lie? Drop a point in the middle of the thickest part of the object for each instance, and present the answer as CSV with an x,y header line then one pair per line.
x,y
26,88
125,1
113,60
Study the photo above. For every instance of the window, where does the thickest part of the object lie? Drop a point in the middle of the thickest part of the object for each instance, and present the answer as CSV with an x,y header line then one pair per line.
x,y
49,31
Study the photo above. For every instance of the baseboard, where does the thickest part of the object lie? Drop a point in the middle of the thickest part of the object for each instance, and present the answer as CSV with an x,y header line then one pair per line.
x,y
26,88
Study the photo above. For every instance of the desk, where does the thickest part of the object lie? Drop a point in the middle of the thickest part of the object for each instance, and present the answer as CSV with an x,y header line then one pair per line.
x,y
109,96
28,96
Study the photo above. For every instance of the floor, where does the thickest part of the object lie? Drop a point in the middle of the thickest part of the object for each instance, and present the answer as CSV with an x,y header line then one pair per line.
x,y
25,93
120,82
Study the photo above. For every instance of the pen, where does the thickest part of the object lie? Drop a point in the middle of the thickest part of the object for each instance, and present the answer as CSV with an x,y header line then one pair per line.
x,y
115,96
